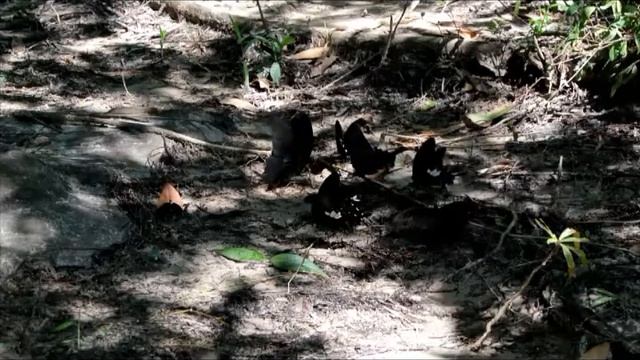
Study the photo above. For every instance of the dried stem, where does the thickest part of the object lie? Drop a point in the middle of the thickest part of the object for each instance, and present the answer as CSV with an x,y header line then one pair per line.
x,y
264,21
306,255
476,345
392,35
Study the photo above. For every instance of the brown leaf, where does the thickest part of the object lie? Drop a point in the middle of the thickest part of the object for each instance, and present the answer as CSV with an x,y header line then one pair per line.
x,y
169,194
311,54
598,352
323,66
467,33
238,103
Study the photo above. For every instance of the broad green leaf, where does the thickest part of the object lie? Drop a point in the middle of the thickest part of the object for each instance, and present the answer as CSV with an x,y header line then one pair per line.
x,y
563,5
63,326
274,71
484,119
241,254
291,262
588,11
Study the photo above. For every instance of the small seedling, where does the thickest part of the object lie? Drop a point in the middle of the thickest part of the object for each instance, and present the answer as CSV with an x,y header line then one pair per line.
x,y
270,46
163,36
569,242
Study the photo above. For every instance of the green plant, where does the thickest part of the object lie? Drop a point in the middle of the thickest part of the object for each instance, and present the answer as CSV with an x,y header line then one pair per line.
x,y
163,36
569,242
539,22
604,35
269,47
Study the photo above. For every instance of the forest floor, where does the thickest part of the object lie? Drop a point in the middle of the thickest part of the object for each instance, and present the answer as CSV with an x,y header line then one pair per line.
x,y
84,78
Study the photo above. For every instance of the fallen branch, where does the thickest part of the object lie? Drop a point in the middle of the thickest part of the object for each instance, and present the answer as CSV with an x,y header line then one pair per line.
x,y
176,135
139,125
478,343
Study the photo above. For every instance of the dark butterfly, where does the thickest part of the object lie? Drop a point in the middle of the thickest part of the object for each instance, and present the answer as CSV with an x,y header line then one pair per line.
x,y
365,158
340,141
334,205
433,225
292,143
428,168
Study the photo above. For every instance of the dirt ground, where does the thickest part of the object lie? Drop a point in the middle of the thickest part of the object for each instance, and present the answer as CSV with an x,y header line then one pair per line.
x,y
165,293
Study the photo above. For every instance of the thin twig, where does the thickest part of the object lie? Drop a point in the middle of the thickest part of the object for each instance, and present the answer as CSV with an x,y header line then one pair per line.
x,y
264,21
348,73
477,262
543,60
57,15
124,83
478,343
609,221
304,258
392,35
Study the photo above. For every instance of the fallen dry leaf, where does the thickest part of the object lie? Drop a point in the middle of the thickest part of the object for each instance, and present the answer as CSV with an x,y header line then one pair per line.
x,y
323,66
483,119
311,54
238,103
598,352
467,33
170,195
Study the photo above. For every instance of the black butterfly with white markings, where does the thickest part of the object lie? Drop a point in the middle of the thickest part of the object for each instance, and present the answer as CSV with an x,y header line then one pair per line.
x,y
334,204
428,166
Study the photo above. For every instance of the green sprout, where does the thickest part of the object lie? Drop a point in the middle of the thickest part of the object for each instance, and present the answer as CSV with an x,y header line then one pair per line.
x,y
569,242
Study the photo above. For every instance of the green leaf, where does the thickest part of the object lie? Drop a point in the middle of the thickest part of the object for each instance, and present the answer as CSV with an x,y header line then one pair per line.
x,y
567,233
484,119
236,29
623,49
427,104
286,40
612,53
563,5
274,71
573,240
588,11
571,265
581,254
601,297
63,326
543,226
241,254
291,262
